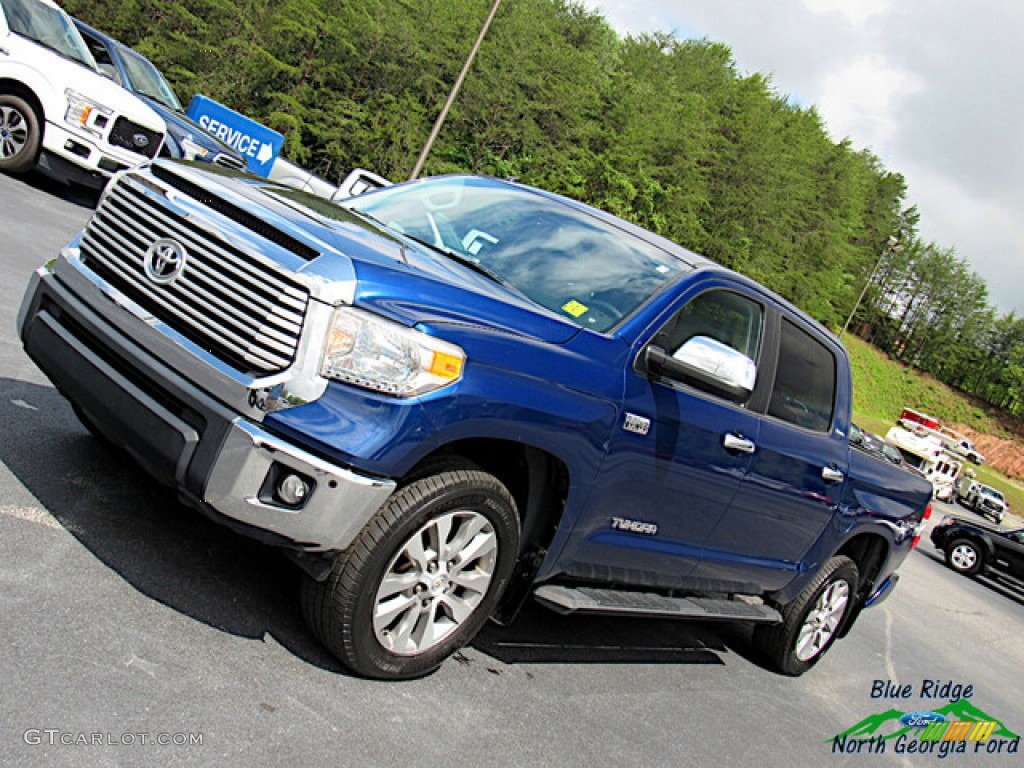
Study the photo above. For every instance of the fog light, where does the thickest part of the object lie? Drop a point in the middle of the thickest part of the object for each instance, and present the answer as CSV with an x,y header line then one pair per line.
x,y
292,490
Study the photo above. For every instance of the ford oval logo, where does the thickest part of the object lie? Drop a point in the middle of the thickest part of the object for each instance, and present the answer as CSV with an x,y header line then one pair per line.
x,y
140,140
921,719
164,261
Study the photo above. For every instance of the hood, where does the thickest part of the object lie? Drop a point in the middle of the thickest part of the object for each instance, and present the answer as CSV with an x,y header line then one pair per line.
x,y
396,277
180,126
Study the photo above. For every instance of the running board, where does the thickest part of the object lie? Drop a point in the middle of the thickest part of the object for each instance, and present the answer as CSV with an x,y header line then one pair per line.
x,y
612,601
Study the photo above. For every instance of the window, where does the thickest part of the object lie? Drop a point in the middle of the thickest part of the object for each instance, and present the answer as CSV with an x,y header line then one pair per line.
x,y
805,381
725,316
712,344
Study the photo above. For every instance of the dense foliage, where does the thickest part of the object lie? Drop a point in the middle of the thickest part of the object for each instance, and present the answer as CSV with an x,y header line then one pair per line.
x,y
661,131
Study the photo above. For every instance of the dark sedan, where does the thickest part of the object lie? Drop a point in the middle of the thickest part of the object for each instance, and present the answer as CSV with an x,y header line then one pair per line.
x,y
133,71
973,548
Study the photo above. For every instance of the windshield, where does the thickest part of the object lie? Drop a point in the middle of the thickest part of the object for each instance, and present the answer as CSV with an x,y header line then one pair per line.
x,y
47,26
985,491
564,259
145,79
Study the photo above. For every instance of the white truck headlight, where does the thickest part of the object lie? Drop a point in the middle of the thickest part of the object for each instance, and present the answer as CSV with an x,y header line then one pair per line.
x,y
85,113
191,150
371,352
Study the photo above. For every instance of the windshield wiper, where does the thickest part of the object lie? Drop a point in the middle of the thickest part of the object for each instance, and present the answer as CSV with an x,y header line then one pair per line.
x,y
466,261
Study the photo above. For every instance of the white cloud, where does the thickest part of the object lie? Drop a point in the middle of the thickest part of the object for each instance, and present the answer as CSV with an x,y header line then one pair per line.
x,y
935,88
864,98
857,12
952,214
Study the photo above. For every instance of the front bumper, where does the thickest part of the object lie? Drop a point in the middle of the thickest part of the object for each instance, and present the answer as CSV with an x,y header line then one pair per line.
x,y
996,512
218,460
95,160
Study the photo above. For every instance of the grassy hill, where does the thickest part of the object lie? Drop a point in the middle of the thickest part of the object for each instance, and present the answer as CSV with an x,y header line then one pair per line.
x,y
883,387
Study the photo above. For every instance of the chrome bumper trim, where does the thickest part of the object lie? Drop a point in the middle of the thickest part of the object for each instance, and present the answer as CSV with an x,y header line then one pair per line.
x,y
338,508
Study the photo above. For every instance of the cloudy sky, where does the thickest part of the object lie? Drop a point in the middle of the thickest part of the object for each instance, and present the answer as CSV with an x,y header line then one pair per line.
x,y
934,88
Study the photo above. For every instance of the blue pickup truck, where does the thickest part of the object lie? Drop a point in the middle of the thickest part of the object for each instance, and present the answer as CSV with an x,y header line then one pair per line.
x,y
446,397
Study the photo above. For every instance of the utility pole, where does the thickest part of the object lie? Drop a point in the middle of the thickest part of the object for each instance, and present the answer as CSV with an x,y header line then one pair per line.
x,y
889,248
454,92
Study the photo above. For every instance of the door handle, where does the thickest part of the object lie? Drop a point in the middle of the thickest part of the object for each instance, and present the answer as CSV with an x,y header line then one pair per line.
x,y
737,443
832,475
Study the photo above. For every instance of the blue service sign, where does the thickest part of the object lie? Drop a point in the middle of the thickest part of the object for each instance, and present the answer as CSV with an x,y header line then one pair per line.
x,y
258,144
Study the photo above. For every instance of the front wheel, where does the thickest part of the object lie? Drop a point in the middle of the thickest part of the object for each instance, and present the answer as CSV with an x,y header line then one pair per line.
x,y
812,621
420,579
963,557
19,134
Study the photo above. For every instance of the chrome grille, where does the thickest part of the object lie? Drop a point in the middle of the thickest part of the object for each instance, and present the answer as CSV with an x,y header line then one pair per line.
x,y
245,312
228,161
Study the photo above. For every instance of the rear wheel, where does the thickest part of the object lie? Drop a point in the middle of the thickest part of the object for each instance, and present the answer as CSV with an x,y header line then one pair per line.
x,y
420,579
963,556
812,621
19,134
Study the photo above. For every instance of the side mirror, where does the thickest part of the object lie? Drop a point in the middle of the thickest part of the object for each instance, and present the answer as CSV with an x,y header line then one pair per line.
x,y
709,364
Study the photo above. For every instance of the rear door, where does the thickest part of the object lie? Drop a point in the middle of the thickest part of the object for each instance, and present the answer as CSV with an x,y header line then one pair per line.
x,y
1010,553
797,470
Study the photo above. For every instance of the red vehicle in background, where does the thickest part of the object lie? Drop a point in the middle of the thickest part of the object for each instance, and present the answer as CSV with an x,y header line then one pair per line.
x,y
909,417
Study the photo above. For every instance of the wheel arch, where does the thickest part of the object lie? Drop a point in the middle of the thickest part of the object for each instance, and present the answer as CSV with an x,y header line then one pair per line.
x,y
869,551
538,481
17,88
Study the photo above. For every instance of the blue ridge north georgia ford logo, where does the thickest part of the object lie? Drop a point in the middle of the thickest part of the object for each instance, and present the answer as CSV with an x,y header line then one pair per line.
x,y
164,261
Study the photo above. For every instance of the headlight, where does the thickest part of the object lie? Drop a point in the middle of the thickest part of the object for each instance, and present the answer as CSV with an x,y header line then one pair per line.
x,y
191,150
85,113
377,354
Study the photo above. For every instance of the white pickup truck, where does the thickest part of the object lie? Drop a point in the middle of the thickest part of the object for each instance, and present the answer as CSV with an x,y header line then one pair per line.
x,y
57,112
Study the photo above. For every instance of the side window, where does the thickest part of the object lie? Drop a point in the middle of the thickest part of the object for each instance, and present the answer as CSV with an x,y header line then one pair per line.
x,y
805,381
725,316
103,60
713,344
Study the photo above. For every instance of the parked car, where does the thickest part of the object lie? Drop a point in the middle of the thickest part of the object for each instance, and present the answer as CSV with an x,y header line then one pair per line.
x,y
134,72
960,445
985,500
57,112
971,548
871,442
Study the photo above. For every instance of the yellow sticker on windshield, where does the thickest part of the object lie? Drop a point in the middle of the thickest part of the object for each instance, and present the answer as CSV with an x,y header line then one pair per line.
x,y
574,308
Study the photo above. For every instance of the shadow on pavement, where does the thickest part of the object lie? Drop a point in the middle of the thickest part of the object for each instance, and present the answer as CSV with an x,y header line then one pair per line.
x,y
75,194
137,528
541,636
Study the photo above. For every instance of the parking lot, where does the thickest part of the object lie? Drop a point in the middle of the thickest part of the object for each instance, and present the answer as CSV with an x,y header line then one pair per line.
x,y
135,630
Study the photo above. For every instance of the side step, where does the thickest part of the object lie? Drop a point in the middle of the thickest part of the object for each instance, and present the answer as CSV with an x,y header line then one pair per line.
x,y
611,601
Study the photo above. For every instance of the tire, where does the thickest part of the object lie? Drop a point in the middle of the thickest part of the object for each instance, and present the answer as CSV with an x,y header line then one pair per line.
x,y
963,556
20,135
396,604
811,622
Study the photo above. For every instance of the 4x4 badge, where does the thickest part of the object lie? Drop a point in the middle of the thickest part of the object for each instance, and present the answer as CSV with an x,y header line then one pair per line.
x,y
164,261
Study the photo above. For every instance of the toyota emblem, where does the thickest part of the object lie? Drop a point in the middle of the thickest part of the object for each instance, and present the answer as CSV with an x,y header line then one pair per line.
x,y
140,140
164,261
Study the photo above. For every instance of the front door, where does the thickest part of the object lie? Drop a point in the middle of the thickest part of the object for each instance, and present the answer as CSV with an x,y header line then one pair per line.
x,y
676,461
